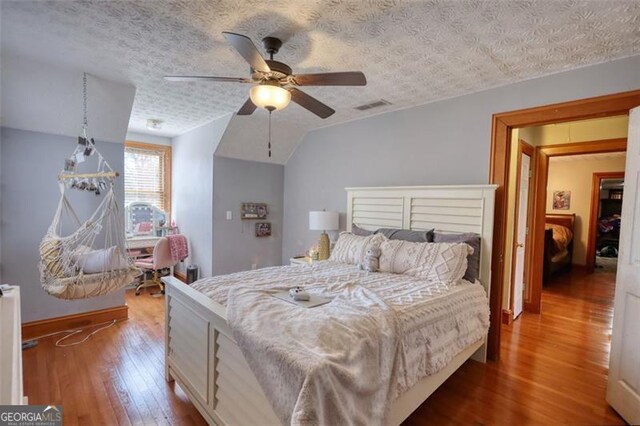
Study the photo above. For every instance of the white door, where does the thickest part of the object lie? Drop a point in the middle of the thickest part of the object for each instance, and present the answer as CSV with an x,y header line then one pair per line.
x,y
623,390
521,236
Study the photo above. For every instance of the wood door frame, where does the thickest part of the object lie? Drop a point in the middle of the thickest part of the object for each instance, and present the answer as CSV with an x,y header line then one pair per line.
x,y
523,148
543,153
501,127
593,214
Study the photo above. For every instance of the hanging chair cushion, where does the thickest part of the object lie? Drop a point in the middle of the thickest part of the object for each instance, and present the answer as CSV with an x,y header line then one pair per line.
x,y
84,286
97,261
50,251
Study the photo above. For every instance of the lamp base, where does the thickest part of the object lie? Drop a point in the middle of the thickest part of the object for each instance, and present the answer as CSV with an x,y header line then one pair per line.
x,y
324,247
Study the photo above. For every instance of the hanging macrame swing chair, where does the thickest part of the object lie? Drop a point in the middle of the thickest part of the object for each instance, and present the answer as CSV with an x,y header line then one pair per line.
x,y
93,259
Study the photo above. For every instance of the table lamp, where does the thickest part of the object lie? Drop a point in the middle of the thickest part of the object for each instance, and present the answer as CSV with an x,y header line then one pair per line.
x,y
323,221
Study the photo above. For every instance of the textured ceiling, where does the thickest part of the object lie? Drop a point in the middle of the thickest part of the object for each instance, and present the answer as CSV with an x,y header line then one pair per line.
x,y
411,52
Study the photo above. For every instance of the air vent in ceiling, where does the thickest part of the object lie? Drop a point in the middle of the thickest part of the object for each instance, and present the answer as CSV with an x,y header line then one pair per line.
x,y
375,104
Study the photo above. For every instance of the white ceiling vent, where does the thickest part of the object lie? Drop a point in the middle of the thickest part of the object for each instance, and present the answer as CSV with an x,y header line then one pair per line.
x,y
375,104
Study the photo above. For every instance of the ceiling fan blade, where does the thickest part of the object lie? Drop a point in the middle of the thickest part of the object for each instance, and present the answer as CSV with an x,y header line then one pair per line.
x,y
205,78
247,108
351,78
247,50
310,103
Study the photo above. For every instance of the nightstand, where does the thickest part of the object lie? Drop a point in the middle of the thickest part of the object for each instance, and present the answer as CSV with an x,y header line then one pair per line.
x,y
300,261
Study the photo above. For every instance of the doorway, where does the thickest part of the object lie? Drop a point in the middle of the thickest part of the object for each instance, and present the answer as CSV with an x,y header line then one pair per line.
x,y
502,125
557,210
606,210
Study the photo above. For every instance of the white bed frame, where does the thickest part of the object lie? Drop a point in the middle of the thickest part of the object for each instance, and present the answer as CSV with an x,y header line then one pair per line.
x,y
201,355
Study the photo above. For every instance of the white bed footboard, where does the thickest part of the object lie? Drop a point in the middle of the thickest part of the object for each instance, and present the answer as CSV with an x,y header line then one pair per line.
x,y
201,355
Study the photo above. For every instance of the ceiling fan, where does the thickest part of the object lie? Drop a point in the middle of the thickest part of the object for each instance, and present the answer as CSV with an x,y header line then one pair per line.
x,y
275,84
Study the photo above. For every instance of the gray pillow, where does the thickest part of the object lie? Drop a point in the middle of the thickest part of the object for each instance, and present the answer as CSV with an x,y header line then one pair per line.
x,y
473,260
361,232
407,235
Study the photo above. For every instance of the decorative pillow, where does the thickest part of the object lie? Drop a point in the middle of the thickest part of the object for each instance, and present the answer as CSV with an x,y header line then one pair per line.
x,y
356,230
473,268
407,235
352,248
50,251
443,262
97,261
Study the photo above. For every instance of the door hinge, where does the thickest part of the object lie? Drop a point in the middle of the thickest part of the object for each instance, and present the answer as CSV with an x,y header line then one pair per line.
x,y
530,173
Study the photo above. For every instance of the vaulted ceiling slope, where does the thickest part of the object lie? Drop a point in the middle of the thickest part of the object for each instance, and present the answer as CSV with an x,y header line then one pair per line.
x,y
412,52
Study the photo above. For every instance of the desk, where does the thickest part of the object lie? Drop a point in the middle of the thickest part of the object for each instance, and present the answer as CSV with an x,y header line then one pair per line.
x,y
139,247
142,242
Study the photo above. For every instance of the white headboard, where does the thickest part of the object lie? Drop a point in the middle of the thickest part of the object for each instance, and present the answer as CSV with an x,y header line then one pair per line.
x,y
459,208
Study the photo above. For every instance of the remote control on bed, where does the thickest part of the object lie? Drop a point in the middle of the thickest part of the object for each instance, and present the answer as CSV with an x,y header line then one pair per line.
x,y
298,293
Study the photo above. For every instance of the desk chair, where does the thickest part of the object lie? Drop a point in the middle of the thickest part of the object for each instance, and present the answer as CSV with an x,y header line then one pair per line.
x,y
160,259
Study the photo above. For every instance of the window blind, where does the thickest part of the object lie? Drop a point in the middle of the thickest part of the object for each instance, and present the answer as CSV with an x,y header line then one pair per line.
x,y
145,177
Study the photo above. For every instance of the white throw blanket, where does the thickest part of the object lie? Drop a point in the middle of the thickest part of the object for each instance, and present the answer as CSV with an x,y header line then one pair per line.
x,y
325,365
434,322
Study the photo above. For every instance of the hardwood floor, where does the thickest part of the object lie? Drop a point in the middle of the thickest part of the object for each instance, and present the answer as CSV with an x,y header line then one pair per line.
x,y
553,366
116,377
553,369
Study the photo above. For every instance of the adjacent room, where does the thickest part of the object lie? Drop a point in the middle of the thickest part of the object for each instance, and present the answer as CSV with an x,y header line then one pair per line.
x,y
558,170
319,213
562,173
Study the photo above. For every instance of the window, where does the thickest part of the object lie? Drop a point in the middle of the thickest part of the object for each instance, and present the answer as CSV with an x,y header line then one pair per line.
x,y
147,174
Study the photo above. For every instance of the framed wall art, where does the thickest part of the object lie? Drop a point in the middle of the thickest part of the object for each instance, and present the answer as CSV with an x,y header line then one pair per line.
x,y
263,229
253,211
561,200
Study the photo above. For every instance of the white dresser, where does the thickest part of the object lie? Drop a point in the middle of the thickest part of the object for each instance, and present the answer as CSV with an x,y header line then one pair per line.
x,y
11,390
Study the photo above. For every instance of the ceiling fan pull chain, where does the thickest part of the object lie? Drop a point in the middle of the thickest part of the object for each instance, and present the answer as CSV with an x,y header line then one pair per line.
x,y
269,145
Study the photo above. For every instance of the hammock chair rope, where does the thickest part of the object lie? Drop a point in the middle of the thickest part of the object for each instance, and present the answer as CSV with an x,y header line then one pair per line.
x,y
72,266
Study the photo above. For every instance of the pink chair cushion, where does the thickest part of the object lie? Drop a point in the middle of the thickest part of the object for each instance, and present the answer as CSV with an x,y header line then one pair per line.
x,y
146,263
162,255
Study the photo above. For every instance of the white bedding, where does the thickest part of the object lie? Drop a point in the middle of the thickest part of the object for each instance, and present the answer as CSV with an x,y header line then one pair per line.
x,y
433,321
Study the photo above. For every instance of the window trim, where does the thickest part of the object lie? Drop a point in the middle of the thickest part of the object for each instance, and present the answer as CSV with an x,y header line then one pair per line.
x,y
166,152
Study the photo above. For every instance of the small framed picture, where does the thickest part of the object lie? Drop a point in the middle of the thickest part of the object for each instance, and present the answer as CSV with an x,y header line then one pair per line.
x,y
561,200
253,211
263,229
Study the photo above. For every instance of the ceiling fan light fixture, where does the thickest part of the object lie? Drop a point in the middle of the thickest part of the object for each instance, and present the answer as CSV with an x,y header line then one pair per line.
x,y
270,97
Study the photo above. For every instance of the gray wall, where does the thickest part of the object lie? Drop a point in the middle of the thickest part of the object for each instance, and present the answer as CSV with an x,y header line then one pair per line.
x,y
192,189
47,98
235,246
445,142
30,164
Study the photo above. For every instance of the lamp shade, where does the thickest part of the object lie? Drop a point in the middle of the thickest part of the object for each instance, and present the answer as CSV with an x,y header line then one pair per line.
x,y
269,97
323,221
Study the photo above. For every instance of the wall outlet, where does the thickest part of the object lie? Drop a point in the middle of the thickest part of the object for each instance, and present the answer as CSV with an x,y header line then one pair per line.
x,y
229,215
254,266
